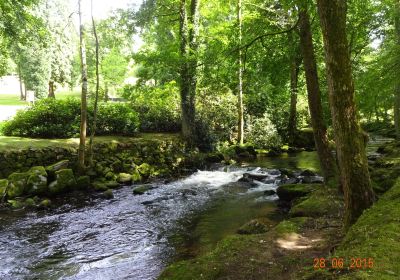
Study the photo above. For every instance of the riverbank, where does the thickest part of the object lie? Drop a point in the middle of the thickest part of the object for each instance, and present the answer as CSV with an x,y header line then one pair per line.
x,y
35,170
310,243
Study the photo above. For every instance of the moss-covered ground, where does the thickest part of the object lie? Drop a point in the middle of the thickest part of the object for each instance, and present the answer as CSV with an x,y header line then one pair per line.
x,y
313,231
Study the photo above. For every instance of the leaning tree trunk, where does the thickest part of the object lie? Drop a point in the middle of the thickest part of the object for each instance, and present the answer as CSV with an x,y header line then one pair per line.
x,y
397,87
295,62
352,158
83,125
240,76
51,90
188,71
326,158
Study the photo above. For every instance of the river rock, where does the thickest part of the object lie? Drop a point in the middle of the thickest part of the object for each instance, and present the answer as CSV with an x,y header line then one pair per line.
x,y
255,176
65,180
17,184
37,180
312,180
141,189
108,194
255,226
112,184
292,191
269,192
124,178
99,186
308,172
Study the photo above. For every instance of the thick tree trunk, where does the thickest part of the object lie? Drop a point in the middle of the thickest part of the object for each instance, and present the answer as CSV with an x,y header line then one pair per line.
x,y
294,79
352,158
82,134
326,158
51,90
21,84
96,98
188,72
240,76
397,88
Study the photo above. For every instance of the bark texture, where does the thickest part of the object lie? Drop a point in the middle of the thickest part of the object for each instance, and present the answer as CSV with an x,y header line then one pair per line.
x,y
295,58
326,158
83,125
51,90
188,72
397,86
352,158
240,76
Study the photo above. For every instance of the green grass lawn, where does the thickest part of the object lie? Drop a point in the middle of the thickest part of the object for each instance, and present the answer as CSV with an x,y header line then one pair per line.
x,y
11,100
17,143
66,94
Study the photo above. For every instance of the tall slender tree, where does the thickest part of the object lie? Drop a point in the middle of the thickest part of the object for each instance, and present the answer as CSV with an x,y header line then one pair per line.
x,y
83,125
240,75
350,147
397,86
314,96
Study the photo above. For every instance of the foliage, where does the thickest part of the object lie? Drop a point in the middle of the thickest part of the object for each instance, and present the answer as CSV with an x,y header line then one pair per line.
x,y
51,118
263,133
158,107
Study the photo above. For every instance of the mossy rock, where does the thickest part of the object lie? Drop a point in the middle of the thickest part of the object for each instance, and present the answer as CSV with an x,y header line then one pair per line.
x,y
108,194
82,182
45,203
290,192
145,170
30,202
136,177
141,189
323,202
37,181
255,226
52,169
17,184
124,178
3,187
112,184
292,225
65,181
375,235
99,186
16,204
110,176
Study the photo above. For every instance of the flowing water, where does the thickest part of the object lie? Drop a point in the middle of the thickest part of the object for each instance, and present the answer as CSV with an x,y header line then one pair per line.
x,y
135,237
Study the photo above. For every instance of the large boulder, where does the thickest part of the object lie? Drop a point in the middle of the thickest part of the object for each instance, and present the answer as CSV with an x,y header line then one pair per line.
x,y
17,184
141,189
65,181
290,192
37,180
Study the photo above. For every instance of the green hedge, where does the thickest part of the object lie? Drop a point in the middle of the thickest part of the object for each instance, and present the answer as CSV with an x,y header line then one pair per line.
x,y
52,118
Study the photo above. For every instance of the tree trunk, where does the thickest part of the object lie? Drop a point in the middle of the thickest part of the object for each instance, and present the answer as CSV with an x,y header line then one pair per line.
x,y
51,90
96,98
294,78
21,84
350,148
82,138
397,87
240,76
325,156
188,72
106,92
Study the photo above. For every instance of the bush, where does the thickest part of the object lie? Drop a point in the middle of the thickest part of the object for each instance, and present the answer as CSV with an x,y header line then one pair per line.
x,y
158,107
263,134
52,118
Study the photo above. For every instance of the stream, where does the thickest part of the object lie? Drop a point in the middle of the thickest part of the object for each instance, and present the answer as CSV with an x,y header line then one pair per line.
x,y
136,236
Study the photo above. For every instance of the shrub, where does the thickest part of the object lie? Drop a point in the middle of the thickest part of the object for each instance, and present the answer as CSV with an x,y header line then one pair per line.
x,y
52,118
263,134
158,107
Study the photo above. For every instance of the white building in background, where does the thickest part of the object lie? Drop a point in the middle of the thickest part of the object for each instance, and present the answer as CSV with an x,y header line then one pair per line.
x,y
9,85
